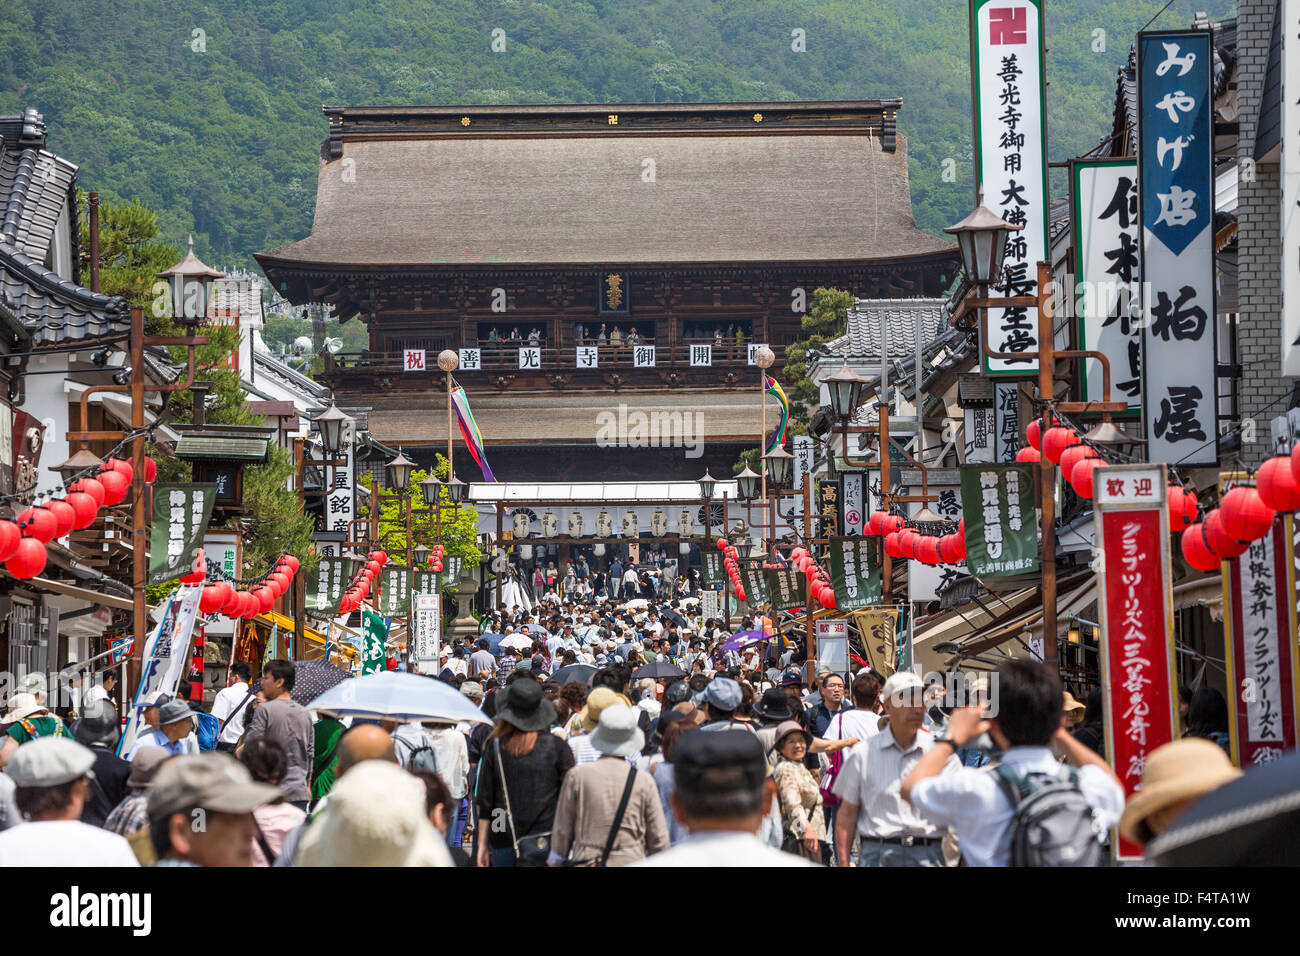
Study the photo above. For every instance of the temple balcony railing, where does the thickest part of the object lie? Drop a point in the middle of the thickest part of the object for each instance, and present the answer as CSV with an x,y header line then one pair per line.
x,y
497,357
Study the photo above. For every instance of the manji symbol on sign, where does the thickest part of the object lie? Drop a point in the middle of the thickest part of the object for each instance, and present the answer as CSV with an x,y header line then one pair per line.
x,y
1007,25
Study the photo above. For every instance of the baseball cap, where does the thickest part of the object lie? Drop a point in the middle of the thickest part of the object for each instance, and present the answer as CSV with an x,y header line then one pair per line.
x,y
49,762
900,683
738,751
213,781
723,693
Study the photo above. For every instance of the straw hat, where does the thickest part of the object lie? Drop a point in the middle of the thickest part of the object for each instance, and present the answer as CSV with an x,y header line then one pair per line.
x,y
1176,772
597,701
22,705
1071,704
375,817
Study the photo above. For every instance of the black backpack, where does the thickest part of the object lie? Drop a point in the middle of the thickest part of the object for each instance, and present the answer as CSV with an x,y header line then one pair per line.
x,y
1053,823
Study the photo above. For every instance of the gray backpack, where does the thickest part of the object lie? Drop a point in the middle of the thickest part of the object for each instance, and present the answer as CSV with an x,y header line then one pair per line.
x,y
1053,823
421,757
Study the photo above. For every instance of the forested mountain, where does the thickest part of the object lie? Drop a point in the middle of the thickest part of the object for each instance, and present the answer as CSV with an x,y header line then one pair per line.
x,y
209,112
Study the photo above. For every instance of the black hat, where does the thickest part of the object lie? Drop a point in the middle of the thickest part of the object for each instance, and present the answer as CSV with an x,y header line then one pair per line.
x,y
525,707
775,706
98,725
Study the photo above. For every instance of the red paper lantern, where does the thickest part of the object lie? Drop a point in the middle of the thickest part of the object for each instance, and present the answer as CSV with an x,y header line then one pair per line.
x,y
199,571
115,485
64,516
927,549
378,556
740,593
1295,461
150,470
722,544
891,523
437,567
893,546
827,598
1033,430
1028,455
211,599
1082,477
38,523
265,597
1220,542
28,560
252,605
280,580
292,562
84,508
9,538
230,607
1245,516
952,549
1277,486
1182,508
907,539
1073,455
1195,551
1057,439
90,486
122,467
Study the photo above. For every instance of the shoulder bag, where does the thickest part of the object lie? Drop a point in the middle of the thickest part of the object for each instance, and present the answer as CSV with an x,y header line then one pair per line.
x,y
603,859
532,849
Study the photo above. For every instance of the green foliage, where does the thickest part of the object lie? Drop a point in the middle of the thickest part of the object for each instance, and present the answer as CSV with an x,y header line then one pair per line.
x,y
131,253
824,321
459,526
275,523
222,136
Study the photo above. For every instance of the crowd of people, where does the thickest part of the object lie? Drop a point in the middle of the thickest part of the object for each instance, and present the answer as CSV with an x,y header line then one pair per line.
x,y
611,735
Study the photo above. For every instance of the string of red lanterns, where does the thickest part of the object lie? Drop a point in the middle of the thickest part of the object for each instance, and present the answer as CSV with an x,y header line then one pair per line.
x,y
24,541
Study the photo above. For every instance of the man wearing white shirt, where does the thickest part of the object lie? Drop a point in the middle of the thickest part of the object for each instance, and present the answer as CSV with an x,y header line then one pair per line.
x,y
100,691
892,832
721,794
1028,720
231,706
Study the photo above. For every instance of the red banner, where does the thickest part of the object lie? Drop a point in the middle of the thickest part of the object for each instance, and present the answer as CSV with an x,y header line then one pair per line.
x,y
1260,627
1138,677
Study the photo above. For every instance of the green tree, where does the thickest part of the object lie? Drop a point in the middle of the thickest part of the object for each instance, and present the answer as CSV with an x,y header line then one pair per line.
x,y
459,526
131,250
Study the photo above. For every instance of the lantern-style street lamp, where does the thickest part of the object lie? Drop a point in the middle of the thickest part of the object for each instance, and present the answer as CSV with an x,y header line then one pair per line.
x,y
982,238
191,286
707,484
845,388
331,423
399,473
747,484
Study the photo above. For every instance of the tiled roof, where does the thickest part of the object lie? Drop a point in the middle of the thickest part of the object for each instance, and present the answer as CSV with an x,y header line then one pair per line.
x,y
863,331
35,186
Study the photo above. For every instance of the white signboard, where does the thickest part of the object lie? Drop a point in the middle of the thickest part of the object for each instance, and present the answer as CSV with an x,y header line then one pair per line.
x,y
853,504
710,604
979,435
165,657
643,356
754,347
802,446
701,356
1006,421
530,357
428,631
833,645
413,360
471,360
1109,274
587,356
1011,158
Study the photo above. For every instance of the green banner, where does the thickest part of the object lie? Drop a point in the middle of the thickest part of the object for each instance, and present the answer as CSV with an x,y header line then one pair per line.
x,y
394,590
855,571
180,519
425,582
325,587
997,502
452,564
712,572
374,637
754,579
788,588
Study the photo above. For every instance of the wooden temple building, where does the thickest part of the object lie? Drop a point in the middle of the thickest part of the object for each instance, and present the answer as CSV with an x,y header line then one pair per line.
x,y
535,233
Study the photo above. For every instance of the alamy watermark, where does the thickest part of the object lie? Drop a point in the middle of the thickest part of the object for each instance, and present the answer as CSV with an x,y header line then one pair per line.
x,y
634,428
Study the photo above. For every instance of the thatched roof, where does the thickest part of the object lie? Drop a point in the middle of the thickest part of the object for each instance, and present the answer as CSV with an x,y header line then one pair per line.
x,y
808,183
